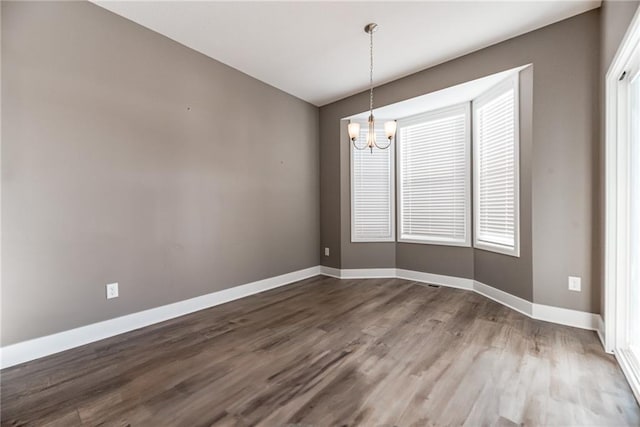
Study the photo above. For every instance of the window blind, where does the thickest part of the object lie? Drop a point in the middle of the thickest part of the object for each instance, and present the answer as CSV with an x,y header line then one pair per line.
x,y
434,177
372,190
496,198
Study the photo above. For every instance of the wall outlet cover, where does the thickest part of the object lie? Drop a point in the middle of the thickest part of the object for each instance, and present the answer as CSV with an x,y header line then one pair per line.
x,y
112,290
574,284
326,251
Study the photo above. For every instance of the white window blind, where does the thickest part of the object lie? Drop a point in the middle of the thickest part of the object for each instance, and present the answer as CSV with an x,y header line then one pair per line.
x,y
434,169
496,158
372,190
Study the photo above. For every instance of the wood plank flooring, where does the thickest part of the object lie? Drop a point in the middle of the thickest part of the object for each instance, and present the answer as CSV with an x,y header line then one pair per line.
x,y
323,352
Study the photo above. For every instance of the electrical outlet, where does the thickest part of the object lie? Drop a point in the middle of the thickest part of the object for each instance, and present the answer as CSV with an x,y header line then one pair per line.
x,y
574,284
112,290
326,251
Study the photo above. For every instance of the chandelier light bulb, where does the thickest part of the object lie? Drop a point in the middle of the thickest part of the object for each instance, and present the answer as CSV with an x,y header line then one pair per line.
x,y
390,129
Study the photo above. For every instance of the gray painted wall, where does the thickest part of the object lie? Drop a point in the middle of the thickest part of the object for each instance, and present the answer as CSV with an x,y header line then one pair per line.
x,y
565,126
446,260
565,130
129,158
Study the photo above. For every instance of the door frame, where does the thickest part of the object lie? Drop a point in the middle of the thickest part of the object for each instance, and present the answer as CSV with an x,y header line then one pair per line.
x,y
616,221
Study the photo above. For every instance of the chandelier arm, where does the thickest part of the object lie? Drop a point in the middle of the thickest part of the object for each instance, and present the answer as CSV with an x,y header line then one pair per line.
x,y
359,148
382,148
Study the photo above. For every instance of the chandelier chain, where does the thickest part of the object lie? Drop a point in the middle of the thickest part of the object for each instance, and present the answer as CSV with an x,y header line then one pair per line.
x,y
371,72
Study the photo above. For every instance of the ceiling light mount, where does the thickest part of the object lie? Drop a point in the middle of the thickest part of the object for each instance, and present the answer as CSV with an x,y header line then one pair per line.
x,y
371,28
389,127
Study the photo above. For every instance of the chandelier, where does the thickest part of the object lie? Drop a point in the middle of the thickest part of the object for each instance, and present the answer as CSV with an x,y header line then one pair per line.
x,y
389,127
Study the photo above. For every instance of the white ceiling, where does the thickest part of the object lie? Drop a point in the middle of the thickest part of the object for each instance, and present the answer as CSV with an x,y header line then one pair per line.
x,y
318,51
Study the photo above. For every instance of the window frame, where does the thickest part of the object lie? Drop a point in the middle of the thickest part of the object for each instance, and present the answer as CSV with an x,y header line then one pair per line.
x,y
511,82
392,192
420,118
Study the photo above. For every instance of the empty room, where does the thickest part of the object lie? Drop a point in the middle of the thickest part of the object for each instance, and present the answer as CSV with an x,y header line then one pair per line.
x,y
320,213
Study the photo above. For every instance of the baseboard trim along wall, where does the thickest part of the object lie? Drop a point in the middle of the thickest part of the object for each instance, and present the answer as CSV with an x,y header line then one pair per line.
x,y
435,279
44,346
562,316
600,331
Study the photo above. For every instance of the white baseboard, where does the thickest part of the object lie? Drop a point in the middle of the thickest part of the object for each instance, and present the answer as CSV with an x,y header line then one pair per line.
x,y
601,332
559,315
516,303
39,347
330,271
397,273
368,273
435,279
565,316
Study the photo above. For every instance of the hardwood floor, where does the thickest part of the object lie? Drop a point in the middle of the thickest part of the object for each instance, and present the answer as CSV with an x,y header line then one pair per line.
x,y
329,352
